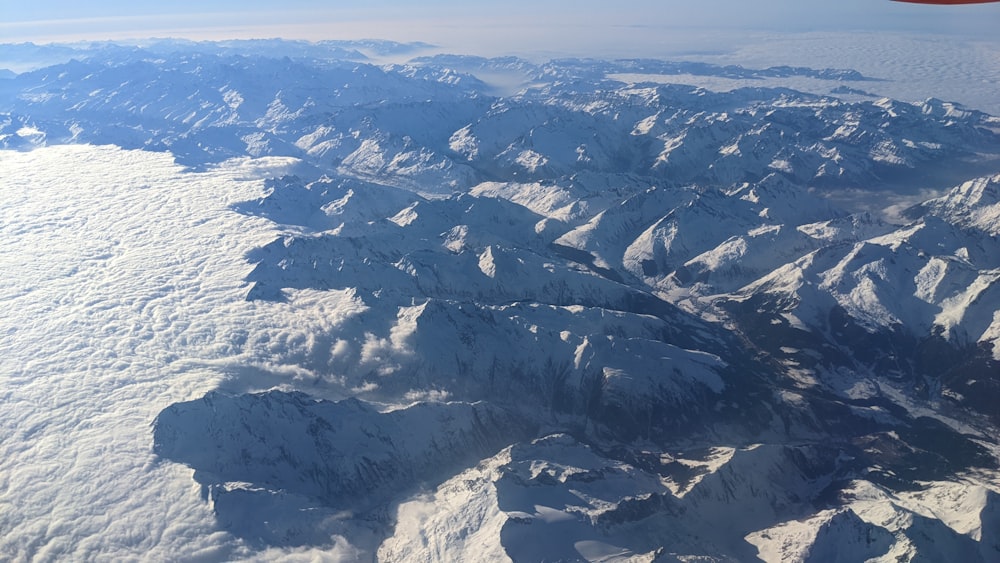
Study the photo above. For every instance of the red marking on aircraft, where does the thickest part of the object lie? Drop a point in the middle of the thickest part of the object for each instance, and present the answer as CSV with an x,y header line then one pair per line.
x,y
947,2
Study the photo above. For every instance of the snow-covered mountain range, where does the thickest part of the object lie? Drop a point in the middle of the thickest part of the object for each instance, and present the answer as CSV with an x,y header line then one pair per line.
x,y
597,317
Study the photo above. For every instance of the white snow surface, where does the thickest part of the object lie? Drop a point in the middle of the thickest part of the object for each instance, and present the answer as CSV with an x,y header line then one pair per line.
x,y
122,294
941,270
558,500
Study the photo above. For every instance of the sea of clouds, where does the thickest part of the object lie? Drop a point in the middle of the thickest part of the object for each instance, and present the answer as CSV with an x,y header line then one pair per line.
x,y
123,292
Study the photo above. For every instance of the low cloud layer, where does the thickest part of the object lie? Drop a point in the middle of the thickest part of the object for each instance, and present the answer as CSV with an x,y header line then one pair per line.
x,y
123,293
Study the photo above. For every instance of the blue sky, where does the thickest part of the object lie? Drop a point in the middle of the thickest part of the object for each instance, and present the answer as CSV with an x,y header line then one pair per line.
x,y
513,25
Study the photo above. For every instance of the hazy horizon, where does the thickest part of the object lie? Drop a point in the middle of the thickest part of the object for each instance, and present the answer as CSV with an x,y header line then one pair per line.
x,y
586,28
957,45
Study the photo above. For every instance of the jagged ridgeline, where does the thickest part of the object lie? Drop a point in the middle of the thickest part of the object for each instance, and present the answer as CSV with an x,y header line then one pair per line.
x,y
603,315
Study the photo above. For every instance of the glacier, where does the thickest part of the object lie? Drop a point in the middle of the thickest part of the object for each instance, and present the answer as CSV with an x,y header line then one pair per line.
x,y
277,300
